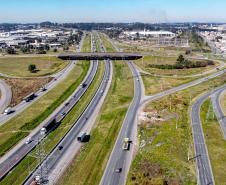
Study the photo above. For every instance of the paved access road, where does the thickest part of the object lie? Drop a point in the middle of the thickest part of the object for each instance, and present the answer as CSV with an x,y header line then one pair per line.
x,y
55,156
121,158
5,95
215,98
24,149
204,169
58,77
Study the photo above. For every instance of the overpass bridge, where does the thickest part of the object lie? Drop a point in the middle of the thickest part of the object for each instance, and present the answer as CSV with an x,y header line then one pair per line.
x,y
101,56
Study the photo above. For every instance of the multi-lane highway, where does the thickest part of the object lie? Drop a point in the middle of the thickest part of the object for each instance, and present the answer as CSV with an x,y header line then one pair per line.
x,y
13,157
24,149
121,159
58,77
56,156
215,98
204,169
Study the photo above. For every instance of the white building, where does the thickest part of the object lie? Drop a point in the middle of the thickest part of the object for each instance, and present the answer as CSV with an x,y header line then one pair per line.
x,y
154,34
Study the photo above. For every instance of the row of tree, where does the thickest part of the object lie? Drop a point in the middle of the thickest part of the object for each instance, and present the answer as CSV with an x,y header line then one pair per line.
x,y
183,63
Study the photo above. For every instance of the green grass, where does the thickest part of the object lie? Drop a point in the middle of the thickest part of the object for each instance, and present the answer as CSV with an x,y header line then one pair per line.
x,y
215,143
164,157
87,168
143,64
97,44
86,47
28,163
106,43
157,84
21,125
18,66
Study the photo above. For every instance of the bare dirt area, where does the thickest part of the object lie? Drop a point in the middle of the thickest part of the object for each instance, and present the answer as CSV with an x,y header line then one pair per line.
x,y
151,174
23,87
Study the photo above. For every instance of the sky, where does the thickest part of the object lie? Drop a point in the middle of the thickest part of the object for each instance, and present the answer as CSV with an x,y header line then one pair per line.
x,y
148,11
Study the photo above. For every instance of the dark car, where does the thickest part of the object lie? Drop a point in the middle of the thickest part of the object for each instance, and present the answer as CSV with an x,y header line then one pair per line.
x,y
60,147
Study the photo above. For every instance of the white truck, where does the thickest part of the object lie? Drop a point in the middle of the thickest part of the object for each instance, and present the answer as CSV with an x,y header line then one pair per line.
x,y
126,143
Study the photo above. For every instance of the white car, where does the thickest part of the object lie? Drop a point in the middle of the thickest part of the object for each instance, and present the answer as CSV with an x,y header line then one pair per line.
x,y
28,141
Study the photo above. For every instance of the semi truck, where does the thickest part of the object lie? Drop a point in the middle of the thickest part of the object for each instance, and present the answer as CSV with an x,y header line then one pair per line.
x,y
51,125
29,97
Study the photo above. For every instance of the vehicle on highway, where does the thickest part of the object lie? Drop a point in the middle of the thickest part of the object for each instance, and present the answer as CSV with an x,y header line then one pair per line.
x,y
126,144
43,88
51,125
29,97
66,104
8,111
60,147
83,85
118,170
28,141
83,137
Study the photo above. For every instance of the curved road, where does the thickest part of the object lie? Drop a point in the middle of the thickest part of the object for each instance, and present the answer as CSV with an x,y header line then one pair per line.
x,y
215,98
12,160
59,77
120,158
204,169
5,96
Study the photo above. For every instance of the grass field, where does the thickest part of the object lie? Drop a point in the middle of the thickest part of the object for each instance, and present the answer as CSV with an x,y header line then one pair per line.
x,y
215,143
165,140
157,84
18,66
86,47
22,170
168,60
87,168
106,43
20,126
22,87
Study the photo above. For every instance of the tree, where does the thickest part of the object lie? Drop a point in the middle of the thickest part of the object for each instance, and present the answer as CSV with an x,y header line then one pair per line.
x,y
11,50
32,68
55,50
180,59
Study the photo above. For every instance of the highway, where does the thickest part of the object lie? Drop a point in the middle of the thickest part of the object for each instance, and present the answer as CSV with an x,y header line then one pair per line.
x,y
215,98
5,96
56,156
120,158
24,149
58,77
204,169
13,157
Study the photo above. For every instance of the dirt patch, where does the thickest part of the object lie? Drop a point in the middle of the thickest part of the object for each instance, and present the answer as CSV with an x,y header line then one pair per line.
x,y
154,117
151,174
23,87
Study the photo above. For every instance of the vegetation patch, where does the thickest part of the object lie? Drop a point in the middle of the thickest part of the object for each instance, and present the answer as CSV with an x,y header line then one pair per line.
x,y
216,144
165,144
87,168
21,125
23,87
183,63
21,171
18,66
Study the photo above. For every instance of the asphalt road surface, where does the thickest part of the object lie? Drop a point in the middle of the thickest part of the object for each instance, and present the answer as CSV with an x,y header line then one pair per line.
x,y
58,77
5,96
23,150
215,98
204,169
121,158
55,156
